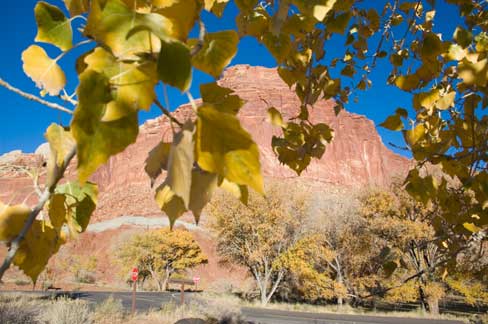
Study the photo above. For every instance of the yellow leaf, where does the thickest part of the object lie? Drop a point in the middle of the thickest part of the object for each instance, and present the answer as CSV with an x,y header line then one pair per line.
x,y
169,203
412,136
471,227
132,85
97,140
223,99
12,220
217,52
393,122
238,191
40,243
157,160
182,14
44,71
275,117
110,22
57,210
446,101
225,148
426,100
61,142
320,11
77,7
203,185
180,163
52,26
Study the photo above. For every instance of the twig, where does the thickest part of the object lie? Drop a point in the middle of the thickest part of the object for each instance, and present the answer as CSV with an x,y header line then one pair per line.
x,y
201,38
32,97
167,113
46,195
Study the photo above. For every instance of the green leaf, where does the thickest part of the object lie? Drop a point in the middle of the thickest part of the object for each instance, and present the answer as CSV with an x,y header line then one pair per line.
x,y
180,163
97,140
80,202
157,160
44,71
174,65
132,85
216,53
225,148
52,26
223,99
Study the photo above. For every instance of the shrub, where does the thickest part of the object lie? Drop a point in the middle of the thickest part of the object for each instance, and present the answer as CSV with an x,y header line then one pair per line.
x,y
17,313
110,311
67,311
22,282
86,277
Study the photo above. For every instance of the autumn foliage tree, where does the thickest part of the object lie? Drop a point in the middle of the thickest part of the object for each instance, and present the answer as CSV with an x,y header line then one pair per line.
x,y
161,253
258,236
131,47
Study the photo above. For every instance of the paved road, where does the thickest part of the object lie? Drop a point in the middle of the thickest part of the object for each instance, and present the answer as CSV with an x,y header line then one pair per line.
x,y
268,316
154,300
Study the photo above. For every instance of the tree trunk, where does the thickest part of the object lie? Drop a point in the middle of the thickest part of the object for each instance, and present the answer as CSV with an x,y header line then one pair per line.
x,y
433,305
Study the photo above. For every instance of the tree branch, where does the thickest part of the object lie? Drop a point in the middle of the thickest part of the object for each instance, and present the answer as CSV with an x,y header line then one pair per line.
x,y
32,97
46,195
167,113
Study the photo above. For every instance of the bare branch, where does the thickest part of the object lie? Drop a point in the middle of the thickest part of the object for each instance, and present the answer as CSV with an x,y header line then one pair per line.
x,y
167,113
32,97
46,195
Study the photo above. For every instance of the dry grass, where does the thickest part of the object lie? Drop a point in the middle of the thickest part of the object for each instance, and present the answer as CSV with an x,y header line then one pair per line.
x,y
348,310
66,311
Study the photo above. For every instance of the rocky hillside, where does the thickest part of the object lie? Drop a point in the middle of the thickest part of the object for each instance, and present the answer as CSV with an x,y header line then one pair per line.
x,y
356,158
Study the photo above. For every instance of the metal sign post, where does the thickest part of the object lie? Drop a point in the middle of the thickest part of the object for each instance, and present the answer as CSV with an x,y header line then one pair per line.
x,y
134,275
196,280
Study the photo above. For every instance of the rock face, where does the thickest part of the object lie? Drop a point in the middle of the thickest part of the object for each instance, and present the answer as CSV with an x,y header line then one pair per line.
x,y
355,158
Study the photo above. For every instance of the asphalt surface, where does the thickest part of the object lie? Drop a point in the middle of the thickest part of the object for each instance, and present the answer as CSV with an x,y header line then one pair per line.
x,y
268,316
154,300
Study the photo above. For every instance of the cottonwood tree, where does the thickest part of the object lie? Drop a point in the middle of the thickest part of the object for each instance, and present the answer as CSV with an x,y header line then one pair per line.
x,y
131,47
259,235
161,253
409,242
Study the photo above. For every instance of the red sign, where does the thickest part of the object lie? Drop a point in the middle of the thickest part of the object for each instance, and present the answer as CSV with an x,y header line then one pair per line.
x,y
196,279
134,274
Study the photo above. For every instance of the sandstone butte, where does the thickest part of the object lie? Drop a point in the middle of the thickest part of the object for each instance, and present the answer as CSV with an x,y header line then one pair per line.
x,y
355,159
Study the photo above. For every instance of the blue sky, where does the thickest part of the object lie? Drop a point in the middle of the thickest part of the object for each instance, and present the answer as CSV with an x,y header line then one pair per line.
x,y
23,122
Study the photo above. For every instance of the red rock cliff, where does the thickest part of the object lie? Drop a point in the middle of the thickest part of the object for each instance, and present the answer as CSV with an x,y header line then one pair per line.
x,y
356,157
